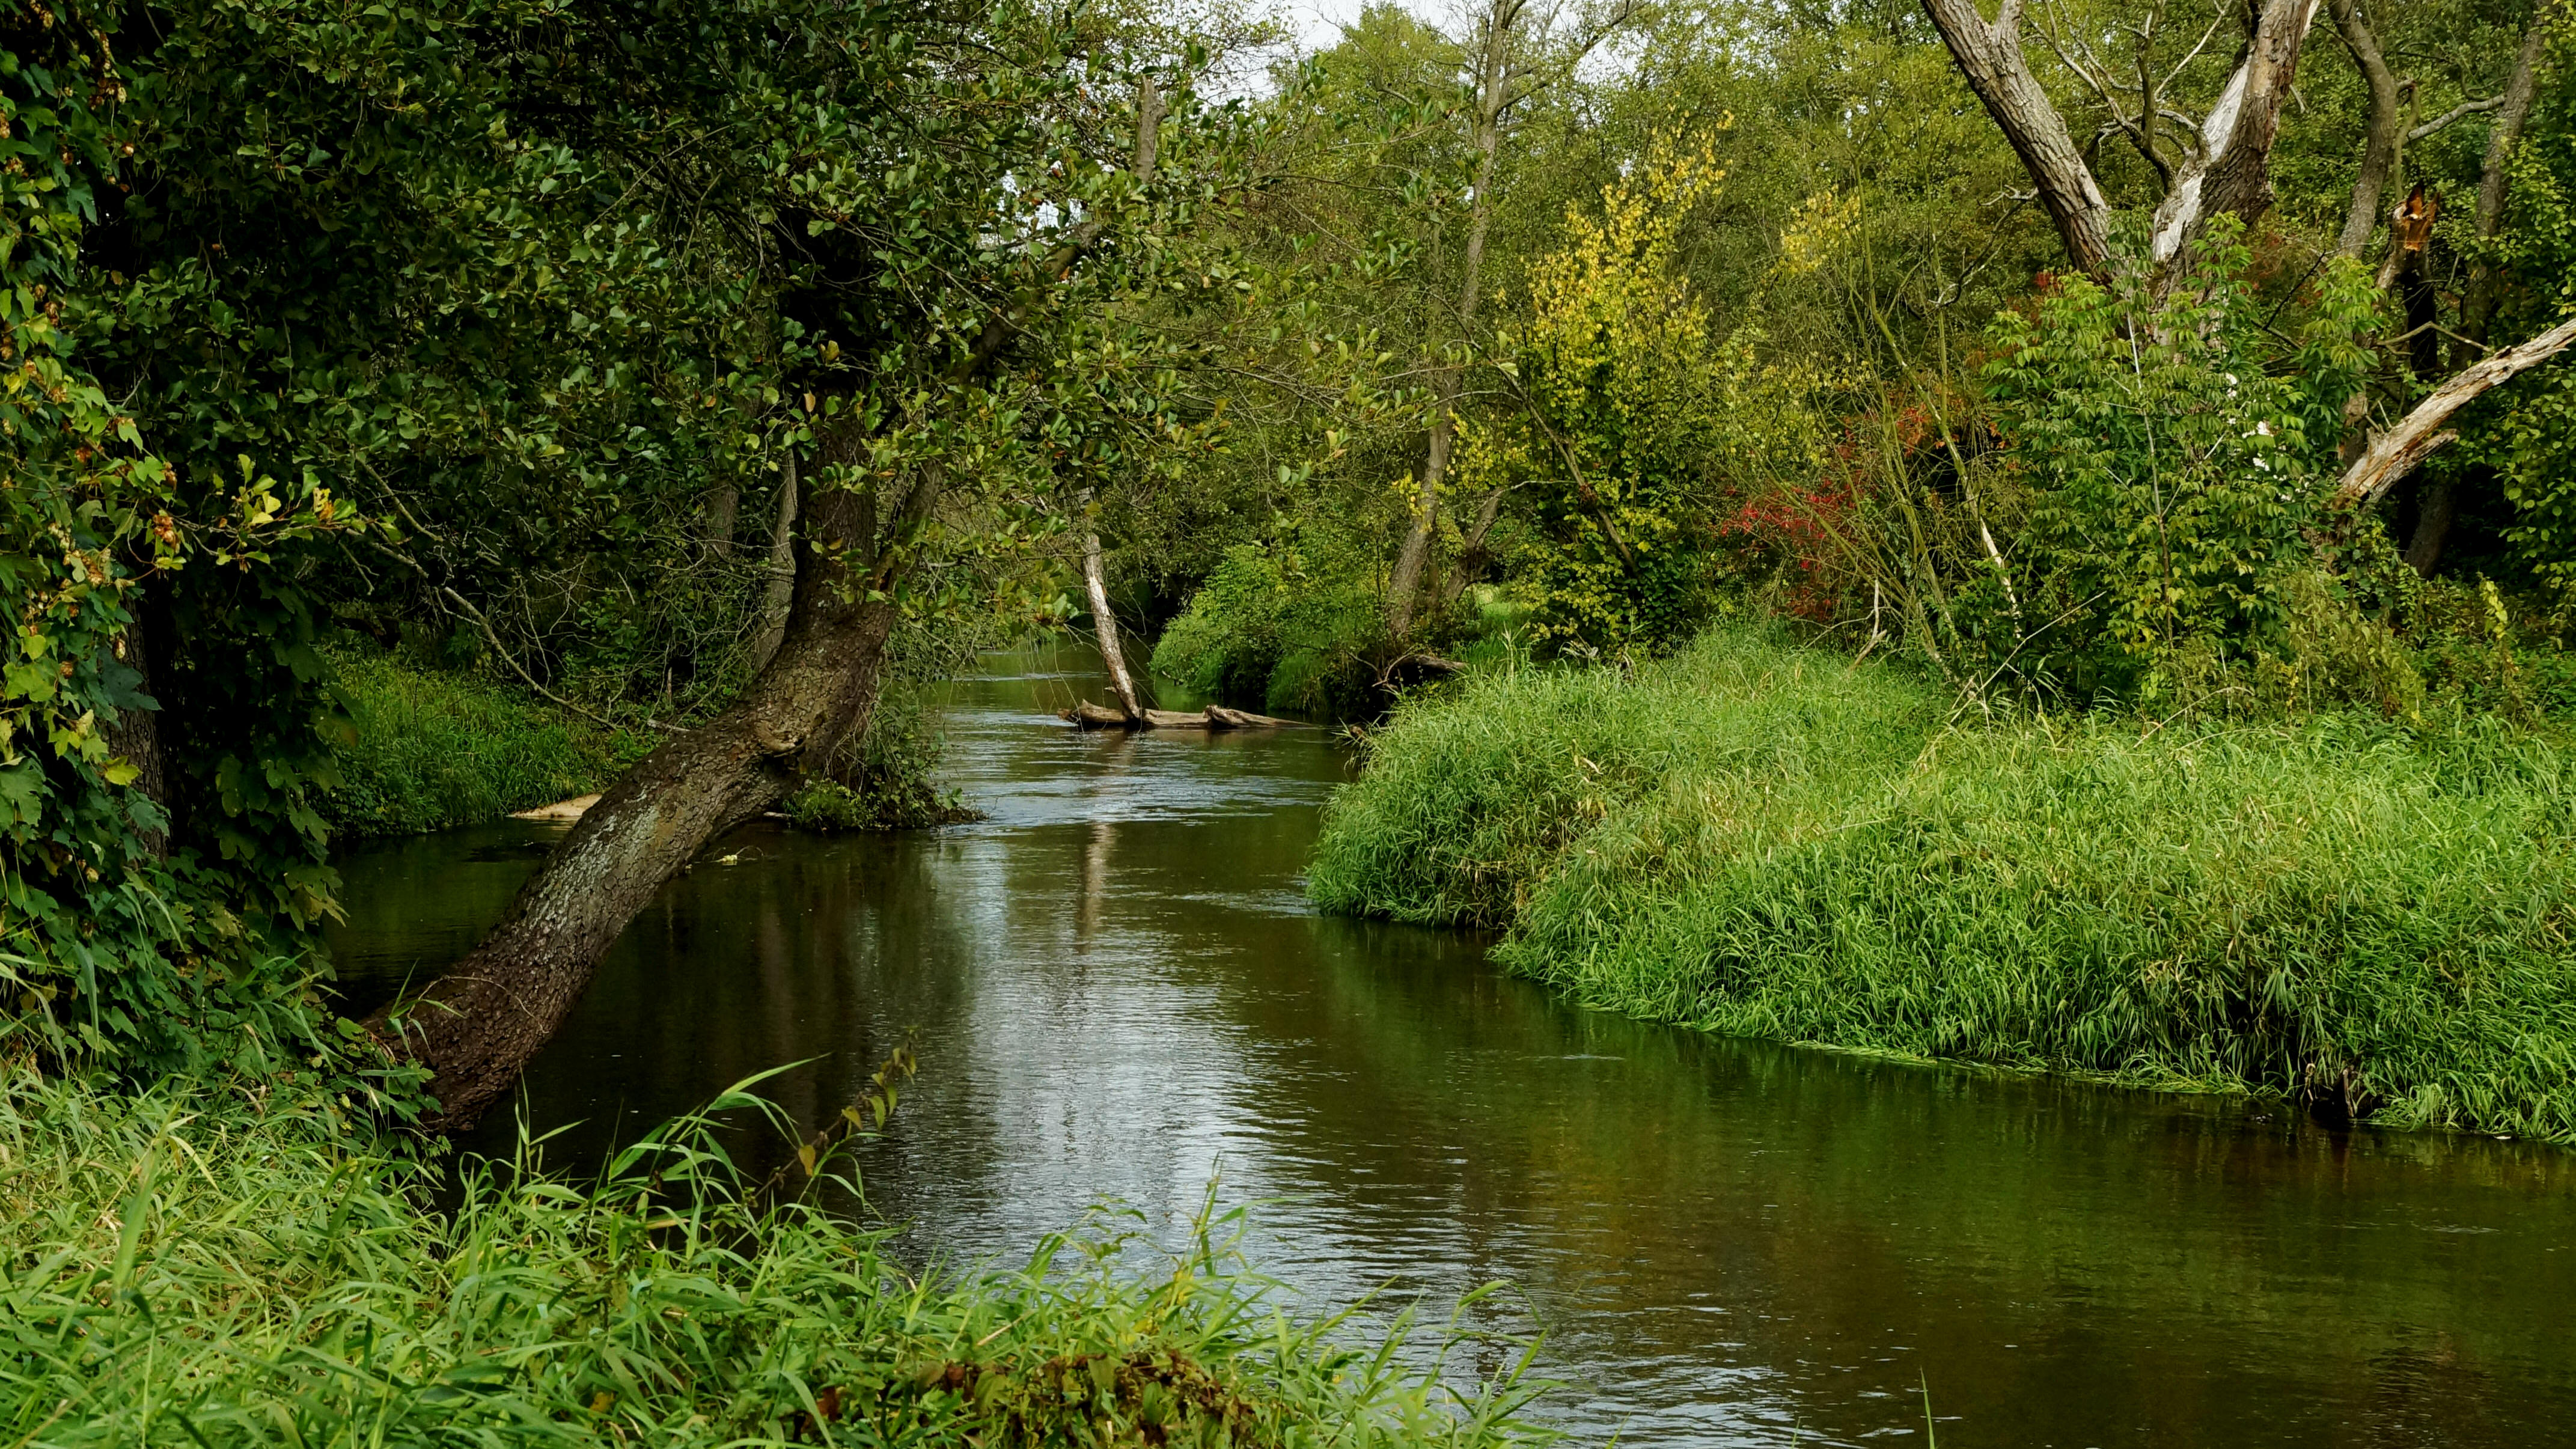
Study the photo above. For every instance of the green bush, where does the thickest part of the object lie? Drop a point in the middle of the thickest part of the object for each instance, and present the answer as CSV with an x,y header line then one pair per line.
x,y
1262,631
2376,920
1472,798
436,748
207,1266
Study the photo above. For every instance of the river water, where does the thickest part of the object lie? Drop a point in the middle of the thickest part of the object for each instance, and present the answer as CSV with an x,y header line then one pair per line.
x,y
1122,996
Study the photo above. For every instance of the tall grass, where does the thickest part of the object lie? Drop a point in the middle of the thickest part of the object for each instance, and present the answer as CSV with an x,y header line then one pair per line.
x,y
1757,842
435,748
206,1267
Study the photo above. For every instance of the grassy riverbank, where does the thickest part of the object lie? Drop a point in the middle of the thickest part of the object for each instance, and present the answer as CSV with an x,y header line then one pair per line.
x,y
438,748
209,1267
1759,840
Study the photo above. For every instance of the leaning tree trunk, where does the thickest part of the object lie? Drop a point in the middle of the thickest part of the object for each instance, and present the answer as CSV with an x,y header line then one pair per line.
x,y
479,1025
1990,56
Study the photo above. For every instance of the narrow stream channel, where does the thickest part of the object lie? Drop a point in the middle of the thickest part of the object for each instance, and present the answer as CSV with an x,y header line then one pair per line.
x,y
1122,996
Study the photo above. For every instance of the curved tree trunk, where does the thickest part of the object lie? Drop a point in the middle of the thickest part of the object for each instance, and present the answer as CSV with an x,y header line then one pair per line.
x,y
479,1025
2380,142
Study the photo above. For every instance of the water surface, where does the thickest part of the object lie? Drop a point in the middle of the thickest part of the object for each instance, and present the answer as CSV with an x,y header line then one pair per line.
x,y
1122,995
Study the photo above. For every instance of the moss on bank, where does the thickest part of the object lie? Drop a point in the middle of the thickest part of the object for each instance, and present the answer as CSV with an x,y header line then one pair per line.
x,y
205,1267
1760,840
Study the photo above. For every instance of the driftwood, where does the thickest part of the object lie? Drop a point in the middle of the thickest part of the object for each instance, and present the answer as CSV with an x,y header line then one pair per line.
x,y
1215,717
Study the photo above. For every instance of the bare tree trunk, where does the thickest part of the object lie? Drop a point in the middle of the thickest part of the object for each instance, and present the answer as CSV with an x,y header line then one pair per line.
x,y
478,1026
1991,59
1404,585
2386,125
1104,622
2228,170
2394,454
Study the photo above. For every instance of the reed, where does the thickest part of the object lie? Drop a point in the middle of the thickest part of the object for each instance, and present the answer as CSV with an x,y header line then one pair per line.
x,y
1758,842
213,1267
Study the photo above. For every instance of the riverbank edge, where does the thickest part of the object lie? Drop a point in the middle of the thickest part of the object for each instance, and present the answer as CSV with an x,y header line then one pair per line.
x,y
221,1261
1758,840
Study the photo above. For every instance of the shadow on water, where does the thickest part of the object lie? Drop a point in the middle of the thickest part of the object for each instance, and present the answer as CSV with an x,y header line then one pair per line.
x,y
1121,994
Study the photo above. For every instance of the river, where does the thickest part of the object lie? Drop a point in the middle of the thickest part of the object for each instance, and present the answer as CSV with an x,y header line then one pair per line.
x,y
1122,996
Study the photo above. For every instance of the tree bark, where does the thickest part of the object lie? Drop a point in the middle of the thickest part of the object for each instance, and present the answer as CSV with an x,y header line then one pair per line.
x,y
2394,454
1991,59
1104,621
477,1027
2234,170
779,593
723,506
2386,126
1404,585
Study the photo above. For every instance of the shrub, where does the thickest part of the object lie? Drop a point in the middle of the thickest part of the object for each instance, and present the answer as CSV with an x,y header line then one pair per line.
x,y
1263,629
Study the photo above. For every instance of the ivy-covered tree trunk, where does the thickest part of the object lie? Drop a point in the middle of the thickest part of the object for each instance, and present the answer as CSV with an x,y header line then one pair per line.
x,y
481,1023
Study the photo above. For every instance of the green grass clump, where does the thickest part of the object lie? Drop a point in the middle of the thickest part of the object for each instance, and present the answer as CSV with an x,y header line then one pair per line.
x,y
2375,920
211,1267
1471,801
436,748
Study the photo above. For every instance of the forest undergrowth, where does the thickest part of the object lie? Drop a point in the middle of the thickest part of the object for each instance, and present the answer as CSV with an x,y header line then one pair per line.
x,y
1758,839
216,1264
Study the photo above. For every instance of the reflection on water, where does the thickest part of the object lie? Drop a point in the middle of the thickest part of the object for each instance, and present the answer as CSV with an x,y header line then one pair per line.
x,y
1122,995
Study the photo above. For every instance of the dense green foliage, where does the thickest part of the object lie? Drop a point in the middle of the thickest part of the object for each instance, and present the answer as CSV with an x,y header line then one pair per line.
x,y
434,748
503,322
1769,841
208,1266
1261,631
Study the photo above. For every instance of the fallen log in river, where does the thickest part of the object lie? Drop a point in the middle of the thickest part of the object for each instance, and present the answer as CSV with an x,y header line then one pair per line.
x,y
1215,717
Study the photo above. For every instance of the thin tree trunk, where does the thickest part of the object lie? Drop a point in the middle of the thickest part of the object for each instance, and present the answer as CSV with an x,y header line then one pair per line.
x,y
477,1026
779,592
2484,290
1404,585
1991,59
2379,149
1104,622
